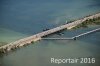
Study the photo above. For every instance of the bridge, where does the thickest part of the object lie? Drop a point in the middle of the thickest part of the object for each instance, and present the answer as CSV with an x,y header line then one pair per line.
x,y
73,38
70,38
28,40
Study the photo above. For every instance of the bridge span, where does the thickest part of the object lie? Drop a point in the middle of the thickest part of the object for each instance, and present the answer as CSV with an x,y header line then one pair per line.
x,y
74,37
26,41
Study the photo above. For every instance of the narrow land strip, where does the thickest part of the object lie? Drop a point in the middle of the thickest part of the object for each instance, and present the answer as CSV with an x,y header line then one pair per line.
x,y
38,36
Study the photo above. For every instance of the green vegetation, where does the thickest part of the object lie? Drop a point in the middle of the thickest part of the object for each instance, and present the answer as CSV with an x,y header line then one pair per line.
x,y
95,21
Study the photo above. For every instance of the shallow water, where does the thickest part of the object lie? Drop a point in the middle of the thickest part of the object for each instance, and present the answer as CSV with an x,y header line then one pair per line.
x,y
22,18
8,36
40,53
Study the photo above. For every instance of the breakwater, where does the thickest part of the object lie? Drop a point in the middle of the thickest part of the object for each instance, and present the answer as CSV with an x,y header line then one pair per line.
x,y
28,40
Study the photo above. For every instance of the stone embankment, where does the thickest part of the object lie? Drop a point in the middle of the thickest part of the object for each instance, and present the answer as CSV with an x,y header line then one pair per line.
x,y
38,36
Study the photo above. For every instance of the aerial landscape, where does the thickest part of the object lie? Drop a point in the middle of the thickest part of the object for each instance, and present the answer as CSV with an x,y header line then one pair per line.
x,y
50,33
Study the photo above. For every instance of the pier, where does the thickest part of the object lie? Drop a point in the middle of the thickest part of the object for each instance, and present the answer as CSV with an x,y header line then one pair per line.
x,y
28,40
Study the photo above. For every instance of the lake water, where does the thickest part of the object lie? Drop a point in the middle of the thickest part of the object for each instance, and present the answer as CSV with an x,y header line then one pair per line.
x,y
22,18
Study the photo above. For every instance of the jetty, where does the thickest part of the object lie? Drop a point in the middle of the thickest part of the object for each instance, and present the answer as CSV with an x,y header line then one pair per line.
x,y
28,40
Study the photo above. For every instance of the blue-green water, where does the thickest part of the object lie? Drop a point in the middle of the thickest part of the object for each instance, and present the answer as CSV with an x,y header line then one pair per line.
x,y
22,18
